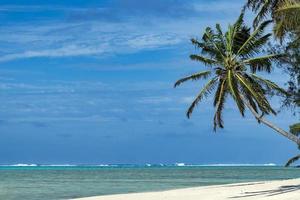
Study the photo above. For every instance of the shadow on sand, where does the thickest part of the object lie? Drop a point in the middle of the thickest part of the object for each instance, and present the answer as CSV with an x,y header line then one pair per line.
x,y
274,192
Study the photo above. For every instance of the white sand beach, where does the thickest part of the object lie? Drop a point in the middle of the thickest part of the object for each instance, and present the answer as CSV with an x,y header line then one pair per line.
x,y
267,190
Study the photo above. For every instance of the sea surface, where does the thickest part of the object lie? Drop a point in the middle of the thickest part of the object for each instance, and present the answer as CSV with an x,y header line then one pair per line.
x,y
65,182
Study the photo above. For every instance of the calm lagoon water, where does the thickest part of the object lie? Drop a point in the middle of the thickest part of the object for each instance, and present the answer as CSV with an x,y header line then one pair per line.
x,y
50,183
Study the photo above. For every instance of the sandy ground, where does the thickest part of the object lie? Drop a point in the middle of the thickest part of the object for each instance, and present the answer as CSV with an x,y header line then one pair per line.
x,y
268,190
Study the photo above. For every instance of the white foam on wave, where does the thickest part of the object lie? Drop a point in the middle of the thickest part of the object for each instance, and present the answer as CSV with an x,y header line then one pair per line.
x,y
23,165
147,165
180,164
59,165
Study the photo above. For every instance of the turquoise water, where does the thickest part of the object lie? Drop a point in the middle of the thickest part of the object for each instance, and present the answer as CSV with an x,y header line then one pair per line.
x,y
35,183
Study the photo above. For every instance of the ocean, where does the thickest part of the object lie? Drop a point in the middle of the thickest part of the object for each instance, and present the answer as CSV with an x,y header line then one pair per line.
x,y
65,182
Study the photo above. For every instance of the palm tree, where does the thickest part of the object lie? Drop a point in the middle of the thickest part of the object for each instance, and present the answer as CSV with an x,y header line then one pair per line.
x,y
294,129
285,14
233,59
287,18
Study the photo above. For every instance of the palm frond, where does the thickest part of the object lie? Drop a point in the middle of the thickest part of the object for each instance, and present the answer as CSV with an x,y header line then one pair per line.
x,y
292,160
287,18
256,46
249,43
236,34
261,92
219,29
295,129
263,63
229,39
204,60
289,6
252,103
254,5
221,87
203,93
220,37
279,29
218,120
233,30
240,38
193,77
207,49
240,21
270,85
284,13
261,101
233,86
209,39
251,100
263,12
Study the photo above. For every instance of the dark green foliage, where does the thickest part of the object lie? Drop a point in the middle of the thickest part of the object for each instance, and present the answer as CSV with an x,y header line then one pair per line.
x,y
233,61
290,64
295,129
284,13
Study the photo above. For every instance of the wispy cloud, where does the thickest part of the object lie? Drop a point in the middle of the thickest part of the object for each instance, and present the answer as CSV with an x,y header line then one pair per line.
x,y
97,39
64,51
94,32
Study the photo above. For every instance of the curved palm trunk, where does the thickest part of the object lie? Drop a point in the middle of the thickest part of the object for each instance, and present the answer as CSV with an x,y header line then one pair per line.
x,y
286,134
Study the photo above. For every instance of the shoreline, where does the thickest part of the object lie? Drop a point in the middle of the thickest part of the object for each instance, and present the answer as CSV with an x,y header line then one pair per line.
x,y
268,190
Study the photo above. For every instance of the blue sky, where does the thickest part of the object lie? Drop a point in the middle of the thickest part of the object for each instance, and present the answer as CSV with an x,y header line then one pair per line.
x,y
91,82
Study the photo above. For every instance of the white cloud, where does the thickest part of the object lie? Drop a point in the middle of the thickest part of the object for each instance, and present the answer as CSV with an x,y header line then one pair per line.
x,y
99,37
65,51
79,40
153,41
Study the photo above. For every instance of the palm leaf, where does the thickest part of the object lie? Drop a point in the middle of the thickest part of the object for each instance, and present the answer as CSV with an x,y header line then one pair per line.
x,y
289,6
240,38
193,77
256,46
263,63
218,121
287,18
251,100
252,103
263,12
271,85
295,129
207,49
209,37
221,87
292,160
220,36
233,31
232,83
248,45
257,94
203,93
261,92
204,60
